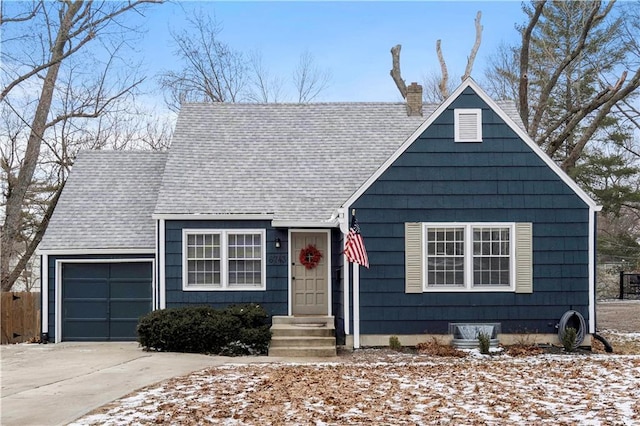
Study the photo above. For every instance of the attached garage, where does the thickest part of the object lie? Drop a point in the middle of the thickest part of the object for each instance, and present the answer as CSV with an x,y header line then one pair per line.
x,y
102,301
98,254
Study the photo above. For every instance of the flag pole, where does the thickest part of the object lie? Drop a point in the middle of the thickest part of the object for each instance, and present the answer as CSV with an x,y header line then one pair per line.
x,y
356,300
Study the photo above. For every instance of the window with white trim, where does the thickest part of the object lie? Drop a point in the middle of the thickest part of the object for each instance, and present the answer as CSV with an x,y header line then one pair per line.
x,y
449,257
467,124
468,257
230,259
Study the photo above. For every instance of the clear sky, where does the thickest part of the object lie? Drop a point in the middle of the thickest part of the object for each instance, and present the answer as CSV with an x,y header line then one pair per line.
x,y
351,39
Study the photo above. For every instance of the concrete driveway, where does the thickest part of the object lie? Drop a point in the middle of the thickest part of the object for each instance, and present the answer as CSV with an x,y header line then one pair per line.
x,y
55,384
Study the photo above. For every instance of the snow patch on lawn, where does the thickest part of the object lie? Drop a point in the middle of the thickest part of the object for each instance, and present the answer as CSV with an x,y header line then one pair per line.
x,y
545,389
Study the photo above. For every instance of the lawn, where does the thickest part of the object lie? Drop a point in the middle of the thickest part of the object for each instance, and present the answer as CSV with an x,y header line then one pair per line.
x,y
385,387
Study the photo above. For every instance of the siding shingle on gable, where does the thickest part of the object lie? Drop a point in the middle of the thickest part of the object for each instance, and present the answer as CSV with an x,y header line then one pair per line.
x,y
498,180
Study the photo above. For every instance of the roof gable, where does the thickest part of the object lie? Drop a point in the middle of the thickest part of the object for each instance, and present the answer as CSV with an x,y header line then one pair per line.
x,y
511,119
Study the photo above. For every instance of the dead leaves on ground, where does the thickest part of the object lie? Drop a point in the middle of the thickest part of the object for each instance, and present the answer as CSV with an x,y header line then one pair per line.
x,y
389,388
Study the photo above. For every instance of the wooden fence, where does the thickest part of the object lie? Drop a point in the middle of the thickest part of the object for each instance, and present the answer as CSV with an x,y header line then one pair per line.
x,y
20,317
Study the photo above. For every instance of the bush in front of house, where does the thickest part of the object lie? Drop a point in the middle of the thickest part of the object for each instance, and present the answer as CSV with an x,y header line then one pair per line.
x,y
236,330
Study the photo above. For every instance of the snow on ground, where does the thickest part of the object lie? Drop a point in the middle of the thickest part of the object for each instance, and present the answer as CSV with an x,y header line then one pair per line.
x,y
381,387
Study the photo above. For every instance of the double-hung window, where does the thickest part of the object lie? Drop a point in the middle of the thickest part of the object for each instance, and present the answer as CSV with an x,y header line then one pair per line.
x,y
468,257
229,259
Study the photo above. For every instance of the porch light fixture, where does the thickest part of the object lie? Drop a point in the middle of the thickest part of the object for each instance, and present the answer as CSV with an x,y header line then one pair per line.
x,y
277,242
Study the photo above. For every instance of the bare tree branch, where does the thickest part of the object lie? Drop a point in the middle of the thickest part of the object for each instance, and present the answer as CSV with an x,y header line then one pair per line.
x,y
523,98
15,272
32,12
474,51
617,93
591,20
308,79
444,81
396,75
77,23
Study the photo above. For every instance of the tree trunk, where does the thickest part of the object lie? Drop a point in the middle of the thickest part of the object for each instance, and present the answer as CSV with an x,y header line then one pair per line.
x,y
11,228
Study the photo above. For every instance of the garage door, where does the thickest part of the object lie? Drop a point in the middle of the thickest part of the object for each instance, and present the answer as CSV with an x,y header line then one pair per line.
x,y
103,301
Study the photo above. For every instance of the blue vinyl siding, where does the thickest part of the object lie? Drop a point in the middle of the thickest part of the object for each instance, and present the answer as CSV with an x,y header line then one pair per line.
x,y
51,266
273,299
498,180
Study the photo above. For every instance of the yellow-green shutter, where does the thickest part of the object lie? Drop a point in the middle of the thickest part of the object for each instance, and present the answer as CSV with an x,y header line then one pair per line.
x,y
524,258
413,257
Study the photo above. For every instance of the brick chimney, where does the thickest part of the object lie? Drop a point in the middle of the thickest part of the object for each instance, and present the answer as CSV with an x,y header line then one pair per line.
x,y
414,99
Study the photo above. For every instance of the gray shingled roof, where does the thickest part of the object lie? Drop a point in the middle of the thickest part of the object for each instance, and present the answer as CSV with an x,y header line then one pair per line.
x,y
298,162
107,202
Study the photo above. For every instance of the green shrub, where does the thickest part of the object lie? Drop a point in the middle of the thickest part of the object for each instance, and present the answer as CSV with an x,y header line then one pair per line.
x,y
237,330
484,342
569,338
394,343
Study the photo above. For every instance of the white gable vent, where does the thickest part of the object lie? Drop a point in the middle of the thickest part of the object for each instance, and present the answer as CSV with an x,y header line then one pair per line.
x,y
468,125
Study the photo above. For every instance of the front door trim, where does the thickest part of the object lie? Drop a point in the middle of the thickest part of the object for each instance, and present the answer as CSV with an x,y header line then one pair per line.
x,y
291,258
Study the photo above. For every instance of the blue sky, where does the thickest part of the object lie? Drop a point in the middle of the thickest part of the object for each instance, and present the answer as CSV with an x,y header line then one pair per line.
x,y
351,39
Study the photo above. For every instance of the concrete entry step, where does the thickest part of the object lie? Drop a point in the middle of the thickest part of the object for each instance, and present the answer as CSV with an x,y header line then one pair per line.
x,y
302,352
291,330
305,341
302,320
307,336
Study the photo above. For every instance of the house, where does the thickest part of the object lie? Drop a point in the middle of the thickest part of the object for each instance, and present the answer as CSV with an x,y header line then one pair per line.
x,y
464,218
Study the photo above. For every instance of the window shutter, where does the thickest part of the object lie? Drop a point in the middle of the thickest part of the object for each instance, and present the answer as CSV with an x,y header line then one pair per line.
x,y
413,257
524,258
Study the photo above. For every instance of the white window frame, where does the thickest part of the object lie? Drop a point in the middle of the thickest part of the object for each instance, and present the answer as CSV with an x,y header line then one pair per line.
x,y
468,257
467,111
224,260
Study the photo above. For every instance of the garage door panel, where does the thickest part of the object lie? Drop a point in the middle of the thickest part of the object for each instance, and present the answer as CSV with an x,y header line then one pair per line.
x,y
121,329
86,330
86,288
78,310
129,309
103,301
84,270
129,270
138,288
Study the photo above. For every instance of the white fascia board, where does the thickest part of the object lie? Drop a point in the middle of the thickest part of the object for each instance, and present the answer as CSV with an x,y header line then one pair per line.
x,y
217,216
469,82
76,252
304,224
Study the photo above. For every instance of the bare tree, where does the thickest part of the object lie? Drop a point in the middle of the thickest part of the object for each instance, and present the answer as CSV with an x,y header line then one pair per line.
x,y
212,70
442,83
265,87
63,30
309,79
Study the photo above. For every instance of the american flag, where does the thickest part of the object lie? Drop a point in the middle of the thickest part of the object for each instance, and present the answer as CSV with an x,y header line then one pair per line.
x,y
354,248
